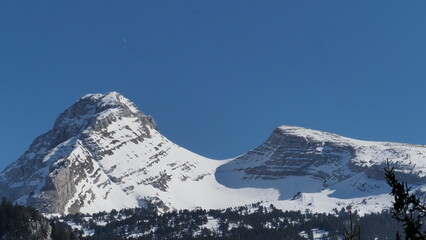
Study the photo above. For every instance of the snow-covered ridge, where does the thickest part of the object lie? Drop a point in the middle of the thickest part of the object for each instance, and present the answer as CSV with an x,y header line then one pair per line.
x,y
408,158
103,153
312,134
320,171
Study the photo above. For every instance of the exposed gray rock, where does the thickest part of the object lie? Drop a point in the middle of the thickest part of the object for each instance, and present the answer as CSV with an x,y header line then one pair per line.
x,y
293,151
285,154
47,174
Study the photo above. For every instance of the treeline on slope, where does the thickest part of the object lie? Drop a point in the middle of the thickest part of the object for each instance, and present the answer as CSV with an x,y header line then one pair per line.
x,y
246,222
20,222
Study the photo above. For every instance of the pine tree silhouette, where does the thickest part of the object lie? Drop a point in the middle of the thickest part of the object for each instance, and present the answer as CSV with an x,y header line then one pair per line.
x,y
407,208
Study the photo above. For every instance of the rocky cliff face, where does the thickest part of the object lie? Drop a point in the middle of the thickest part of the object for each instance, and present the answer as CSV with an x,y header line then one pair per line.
x,y
84,160
321,171
48,174
285,154
295,151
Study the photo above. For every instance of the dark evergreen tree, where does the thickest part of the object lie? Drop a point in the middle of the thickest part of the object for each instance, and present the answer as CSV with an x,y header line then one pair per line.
x,y
354,232
20,222
407,208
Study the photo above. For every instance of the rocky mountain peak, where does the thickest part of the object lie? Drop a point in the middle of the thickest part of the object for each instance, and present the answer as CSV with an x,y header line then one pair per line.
x,y
295,151
58,162
95,111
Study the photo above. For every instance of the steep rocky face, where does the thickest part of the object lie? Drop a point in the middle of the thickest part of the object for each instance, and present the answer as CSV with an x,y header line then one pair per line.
x,y
102,154
48,175
285,154
295,151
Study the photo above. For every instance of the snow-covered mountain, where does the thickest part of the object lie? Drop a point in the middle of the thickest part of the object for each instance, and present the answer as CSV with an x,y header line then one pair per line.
x,y
103,153
320,171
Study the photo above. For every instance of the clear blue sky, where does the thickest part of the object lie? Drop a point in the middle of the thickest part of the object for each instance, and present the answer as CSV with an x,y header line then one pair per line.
x,y
218,76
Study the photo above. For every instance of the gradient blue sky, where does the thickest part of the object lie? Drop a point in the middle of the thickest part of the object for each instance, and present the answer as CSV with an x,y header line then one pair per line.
x,y
218,76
